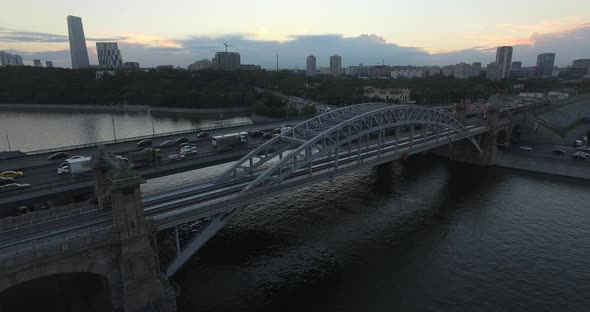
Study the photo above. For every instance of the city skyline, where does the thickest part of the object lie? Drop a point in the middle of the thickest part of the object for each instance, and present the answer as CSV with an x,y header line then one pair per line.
x,y
433,39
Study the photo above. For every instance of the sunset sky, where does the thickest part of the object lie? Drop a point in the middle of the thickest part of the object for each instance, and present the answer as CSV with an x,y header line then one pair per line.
x,y
418,32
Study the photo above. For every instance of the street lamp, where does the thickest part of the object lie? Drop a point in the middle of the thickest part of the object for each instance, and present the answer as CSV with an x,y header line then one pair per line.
x,y
149,111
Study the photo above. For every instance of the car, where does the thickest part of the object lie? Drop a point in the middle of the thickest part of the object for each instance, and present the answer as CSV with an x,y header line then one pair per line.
x,y
75,157
59,155
168,143
22,210
267,135
188,147
584,149
203,134
11,174
175,157
187,144
4,181
145,143
188,151
182,140
559,152
526,148
121,158
276,130
580,156
13,186
256,133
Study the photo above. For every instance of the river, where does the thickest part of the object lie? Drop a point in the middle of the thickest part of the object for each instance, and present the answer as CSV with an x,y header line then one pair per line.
x,y
431,236
36,130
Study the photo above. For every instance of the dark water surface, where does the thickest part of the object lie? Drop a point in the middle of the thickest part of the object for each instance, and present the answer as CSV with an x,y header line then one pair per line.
x,y
434,236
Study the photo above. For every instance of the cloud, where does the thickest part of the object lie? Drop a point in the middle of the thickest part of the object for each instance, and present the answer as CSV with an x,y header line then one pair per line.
x,y
13,35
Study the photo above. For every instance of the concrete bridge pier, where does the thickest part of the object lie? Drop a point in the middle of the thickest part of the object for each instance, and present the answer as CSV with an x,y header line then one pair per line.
x,y
143,284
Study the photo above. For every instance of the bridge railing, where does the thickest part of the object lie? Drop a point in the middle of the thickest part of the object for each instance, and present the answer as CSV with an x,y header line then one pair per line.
x,y
41,249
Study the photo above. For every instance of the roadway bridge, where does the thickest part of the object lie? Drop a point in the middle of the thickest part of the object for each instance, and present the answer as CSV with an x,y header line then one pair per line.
x,y
136,243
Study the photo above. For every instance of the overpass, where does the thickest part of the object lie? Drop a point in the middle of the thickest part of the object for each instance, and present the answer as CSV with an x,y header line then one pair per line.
x,y
137,242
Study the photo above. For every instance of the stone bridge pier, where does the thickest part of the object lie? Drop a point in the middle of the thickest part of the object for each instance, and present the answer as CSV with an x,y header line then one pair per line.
x,y
123,254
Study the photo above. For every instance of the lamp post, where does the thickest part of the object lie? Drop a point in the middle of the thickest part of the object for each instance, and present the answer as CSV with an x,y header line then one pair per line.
x,y
113,122
149,111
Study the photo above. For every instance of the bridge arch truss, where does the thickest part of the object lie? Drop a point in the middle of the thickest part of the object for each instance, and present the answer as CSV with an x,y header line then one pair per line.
x,y
347,137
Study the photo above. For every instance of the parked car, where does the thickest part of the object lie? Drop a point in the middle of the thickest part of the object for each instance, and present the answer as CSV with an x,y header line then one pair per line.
x,y
526,148
559,152
168,143
267,135
276,130
11,174
13,186
584,149
182,140
4,181
59,155
203,134
175,157
145,143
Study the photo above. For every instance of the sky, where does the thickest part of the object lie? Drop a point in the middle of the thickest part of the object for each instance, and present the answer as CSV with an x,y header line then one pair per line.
x,y
394,32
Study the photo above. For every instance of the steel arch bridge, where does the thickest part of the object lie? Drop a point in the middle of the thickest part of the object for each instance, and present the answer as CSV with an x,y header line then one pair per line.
x,y
341,133
325,146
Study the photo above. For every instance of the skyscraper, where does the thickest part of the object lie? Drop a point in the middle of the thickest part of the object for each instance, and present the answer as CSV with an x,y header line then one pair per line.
x,y
37,63
49,64
545,62
311,66
78,49
335,65
504,60
109,55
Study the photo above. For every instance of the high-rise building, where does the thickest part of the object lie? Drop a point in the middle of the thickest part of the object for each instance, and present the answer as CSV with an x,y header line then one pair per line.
x,y
516,65
78,50
229,61
545,63
311,66
335,65
494,71
48,64
109,55
37,63
7,59
581,63
504,60
475,69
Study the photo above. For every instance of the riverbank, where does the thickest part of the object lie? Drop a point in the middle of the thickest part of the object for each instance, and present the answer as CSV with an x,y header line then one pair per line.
x,y
123,108
566,167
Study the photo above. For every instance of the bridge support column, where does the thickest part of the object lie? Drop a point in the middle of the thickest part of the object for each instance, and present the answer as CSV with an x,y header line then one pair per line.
x,y
101,181
143,283
489,142
460,112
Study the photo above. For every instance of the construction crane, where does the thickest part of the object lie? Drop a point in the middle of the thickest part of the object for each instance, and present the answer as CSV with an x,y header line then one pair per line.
x,y
227,45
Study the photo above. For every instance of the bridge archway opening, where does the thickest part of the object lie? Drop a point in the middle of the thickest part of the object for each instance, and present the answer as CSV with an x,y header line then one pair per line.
x,y
515,134
502,138
59,292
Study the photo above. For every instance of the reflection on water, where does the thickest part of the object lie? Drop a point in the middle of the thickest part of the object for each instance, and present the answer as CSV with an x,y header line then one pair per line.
x,y
34,130
438,237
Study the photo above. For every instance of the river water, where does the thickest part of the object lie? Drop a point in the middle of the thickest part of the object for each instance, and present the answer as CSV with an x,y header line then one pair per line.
x,y
430,236
36,130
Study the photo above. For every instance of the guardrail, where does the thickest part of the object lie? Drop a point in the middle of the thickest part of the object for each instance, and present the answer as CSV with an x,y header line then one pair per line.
x,y
138,138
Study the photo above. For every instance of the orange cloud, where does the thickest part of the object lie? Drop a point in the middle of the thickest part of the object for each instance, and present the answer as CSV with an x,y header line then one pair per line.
x,y
151,41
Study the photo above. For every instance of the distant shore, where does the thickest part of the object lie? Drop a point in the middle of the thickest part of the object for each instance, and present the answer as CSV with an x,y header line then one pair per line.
x,y
122,108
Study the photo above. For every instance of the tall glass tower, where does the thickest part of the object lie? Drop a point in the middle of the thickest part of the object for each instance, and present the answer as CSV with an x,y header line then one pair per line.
x,y
78,49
